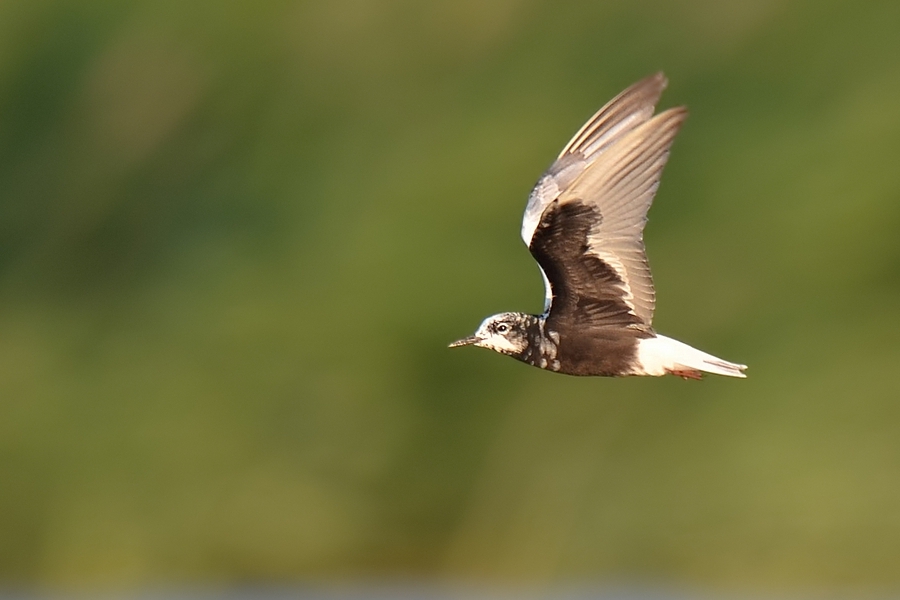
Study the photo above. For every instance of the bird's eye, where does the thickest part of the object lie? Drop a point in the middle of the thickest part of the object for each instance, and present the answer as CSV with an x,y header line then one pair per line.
x,y
502,328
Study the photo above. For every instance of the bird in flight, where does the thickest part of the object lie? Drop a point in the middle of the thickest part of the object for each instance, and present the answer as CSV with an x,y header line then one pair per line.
x,y
584,225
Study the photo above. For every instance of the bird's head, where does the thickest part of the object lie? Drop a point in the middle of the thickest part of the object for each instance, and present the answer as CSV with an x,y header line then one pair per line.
x,y
504,333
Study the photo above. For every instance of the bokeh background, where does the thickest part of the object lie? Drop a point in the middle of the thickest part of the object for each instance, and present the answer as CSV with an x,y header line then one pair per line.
x,y
236,237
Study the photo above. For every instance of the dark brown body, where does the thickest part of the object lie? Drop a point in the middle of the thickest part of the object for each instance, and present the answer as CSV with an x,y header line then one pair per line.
x,y
604,351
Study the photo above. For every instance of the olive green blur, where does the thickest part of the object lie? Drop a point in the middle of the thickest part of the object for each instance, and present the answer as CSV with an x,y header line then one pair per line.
x,y
237,237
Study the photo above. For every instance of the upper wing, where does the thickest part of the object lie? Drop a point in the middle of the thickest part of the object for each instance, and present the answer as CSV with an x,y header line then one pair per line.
x,y
586,290
620,187
600,205
619,116
624,112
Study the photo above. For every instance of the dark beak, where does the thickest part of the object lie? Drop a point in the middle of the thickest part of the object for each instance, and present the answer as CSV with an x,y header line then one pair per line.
x,y
472,339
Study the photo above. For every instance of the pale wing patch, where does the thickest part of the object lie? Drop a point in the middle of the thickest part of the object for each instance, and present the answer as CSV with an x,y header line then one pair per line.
x,y
548,291
558,177
545,192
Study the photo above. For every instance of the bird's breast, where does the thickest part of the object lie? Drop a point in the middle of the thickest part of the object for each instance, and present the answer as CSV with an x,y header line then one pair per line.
x,y
542,350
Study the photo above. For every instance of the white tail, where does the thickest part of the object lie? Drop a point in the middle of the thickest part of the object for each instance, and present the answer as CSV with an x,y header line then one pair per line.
x,y
660,355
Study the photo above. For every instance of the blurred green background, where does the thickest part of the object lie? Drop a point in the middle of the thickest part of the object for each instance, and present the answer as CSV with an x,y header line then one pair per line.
x,y
236,237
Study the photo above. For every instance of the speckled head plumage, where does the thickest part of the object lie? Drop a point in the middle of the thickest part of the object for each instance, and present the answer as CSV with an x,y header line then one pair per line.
x,y
506,333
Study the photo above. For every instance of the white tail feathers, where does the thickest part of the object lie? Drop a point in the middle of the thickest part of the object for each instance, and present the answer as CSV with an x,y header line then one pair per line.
x,y
660,355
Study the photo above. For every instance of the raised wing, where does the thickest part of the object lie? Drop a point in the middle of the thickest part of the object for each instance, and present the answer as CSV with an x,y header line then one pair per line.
x,y
620,187
588,237
586,290
619,116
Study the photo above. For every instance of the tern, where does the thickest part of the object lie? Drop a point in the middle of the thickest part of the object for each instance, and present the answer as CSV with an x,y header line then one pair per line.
x,y
584,225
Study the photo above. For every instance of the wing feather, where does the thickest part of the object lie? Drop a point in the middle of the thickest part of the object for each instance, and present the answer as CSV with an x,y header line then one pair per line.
x,y
614,120
627,110
621,185
612,165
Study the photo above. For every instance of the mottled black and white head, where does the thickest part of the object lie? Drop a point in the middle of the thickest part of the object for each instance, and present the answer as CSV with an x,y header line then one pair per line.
x,y
506,333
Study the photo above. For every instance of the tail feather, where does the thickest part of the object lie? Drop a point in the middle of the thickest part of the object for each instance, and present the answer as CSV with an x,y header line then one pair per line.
x,y
661,355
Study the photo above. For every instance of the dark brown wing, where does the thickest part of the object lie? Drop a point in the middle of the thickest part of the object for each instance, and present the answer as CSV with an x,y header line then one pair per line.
x,y
587,291
589,240
612,165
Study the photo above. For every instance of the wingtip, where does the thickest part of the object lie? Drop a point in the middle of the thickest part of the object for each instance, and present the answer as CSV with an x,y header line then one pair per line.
x,y
676,115
658,81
